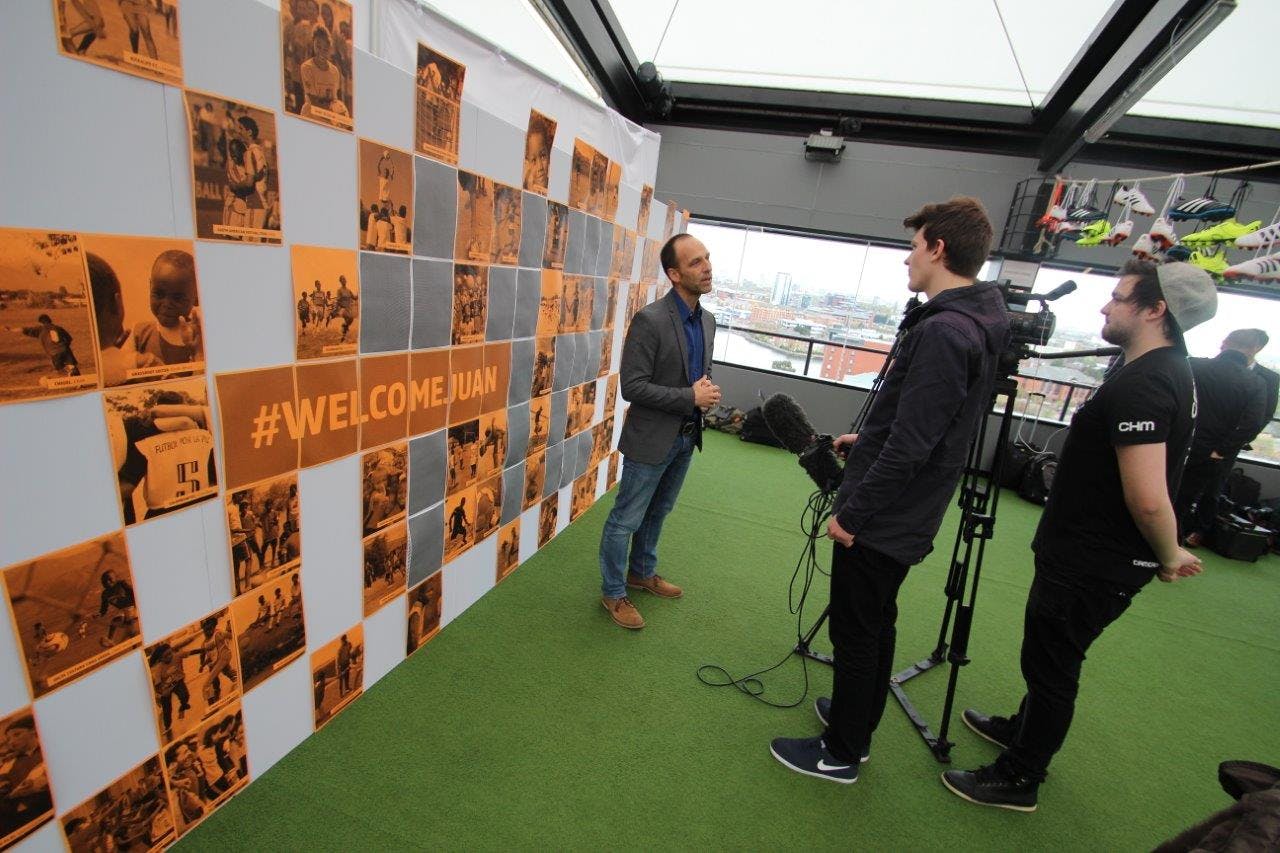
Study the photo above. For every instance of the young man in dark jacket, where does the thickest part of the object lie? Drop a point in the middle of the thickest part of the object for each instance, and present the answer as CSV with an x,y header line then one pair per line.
x,y
901,472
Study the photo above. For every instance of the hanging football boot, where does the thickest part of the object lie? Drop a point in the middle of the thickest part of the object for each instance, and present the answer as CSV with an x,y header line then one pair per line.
x,y
1177,252
1224,232
1162,233
1266,268
1204,209
1120,233
1261,237
1144,248
1085,213
1215,264
1135,199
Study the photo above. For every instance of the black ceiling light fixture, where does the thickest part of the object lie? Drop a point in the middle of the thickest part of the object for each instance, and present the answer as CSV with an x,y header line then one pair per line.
x,y
655,90
824,146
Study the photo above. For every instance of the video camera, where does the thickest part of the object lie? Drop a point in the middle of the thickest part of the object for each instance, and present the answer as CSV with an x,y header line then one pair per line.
x,y
1027,329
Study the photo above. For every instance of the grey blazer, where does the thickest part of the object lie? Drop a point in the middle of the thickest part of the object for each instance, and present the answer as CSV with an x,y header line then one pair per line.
x,y
656,381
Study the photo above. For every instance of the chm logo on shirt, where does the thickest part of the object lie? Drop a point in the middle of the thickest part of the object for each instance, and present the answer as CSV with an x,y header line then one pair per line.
x,y
1136,426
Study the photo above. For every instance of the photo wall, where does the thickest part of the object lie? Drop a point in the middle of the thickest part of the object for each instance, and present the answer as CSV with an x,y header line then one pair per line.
x,y
301,353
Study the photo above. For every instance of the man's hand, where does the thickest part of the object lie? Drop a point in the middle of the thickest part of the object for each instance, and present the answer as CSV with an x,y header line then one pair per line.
x,y
838,533
1183,565
1215,455
705,394
843,443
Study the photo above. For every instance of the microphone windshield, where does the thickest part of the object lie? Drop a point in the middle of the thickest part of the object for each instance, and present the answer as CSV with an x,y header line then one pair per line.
x,y
788,422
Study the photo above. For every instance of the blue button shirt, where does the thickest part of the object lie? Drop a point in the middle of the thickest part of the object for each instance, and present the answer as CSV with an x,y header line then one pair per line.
x,y
692,322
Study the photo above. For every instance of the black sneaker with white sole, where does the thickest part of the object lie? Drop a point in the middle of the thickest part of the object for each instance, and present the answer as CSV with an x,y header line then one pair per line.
x,y
990,786
998,730
822,707
810,756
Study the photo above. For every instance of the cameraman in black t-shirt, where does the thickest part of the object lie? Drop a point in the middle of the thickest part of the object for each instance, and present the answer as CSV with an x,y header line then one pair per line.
x,y
1109,525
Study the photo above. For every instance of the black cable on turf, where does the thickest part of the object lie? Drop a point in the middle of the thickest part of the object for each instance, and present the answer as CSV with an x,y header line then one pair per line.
x,y
812,524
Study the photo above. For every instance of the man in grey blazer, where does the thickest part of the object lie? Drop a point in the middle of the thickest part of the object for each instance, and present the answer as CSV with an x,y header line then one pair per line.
x,y
666,376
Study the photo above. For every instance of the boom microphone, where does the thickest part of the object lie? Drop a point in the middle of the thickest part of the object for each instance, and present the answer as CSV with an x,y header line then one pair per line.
x,y
789,424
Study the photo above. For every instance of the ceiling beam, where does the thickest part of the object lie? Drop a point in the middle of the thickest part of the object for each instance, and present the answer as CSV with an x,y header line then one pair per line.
x,y
594,35
1127,39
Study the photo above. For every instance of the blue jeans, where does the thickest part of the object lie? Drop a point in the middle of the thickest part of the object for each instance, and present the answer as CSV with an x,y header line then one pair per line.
x,y
646,494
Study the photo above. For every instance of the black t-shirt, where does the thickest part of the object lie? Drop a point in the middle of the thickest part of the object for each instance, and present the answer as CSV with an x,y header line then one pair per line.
x,y
1086,525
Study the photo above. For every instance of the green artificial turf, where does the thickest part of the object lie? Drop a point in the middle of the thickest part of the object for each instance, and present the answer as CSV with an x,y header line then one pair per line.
x,y
533,722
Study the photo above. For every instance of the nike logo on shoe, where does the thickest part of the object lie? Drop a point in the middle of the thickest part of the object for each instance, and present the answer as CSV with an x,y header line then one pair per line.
x,y
827,768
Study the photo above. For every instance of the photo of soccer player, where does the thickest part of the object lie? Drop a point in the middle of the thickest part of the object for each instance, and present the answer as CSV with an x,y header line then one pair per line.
x,y
642,217
669,226
611,304
439,103
269,629
549,310
586,303
423,602
385,566
557,236
491,455
580,175
611,478
587,405
265,525
326,296
46,330
146,307
161,446
547,514
138,37
133,813
385,218
584,494
73,610
544,367
573,414
206,767
194,672
384,485
315,40
535,473
459,522
474,238
337,674
488,507
25,801
470,303
570,304
538,140
601,438
612,185
506,225
508,549
463,447
610,396
606,352
235,170
596,189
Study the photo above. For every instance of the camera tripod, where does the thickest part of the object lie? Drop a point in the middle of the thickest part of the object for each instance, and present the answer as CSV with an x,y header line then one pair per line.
x,y
979,499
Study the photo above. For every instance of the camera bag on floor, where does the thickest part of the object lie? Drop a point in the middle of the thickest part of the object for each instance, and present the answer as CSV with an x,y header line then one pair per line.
x,y
1242,489
1037,478
1239,538
756,429
1021,450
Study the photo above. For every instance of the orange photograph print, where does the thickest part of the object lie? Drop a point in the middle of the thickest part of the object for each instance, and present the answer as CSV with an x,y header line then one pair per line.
x,y
612,185
73,610
265,524
439,104
474,239
596,188
470,303
206,767
584,493
580,175
146,307
269,629
194,673
538,141
385,566
386,198
326,296
544,367
138,37
235,170
547,515
535,473
557,236
488,507
459,522
539,422
46,328
507,203
26,802
385,486
161,439
642,218
337,674
317,53
423,602
132,813
549,309
508,549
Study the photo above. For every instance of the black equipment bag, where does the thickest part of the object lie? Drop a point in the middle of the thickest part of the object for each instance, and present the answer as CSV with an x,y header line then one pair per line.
x,y
1242,489
756,429
1239,539
1020,451
1037,478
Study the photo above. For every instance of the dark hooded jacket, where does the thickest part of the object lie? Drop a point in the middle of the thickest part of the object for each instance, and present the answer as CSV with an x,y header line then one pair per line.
x,y
903,469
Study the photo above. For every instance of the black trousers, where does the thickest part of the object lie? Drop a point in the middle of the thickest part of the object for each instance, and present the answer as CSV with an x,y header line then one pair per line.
x,y
1197,503
1066,612
864,610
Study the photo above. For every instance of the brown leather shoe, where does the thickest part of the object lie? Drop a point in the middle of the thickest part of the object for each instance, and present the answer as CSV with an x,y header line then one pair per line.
x,y
655,585
623,612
